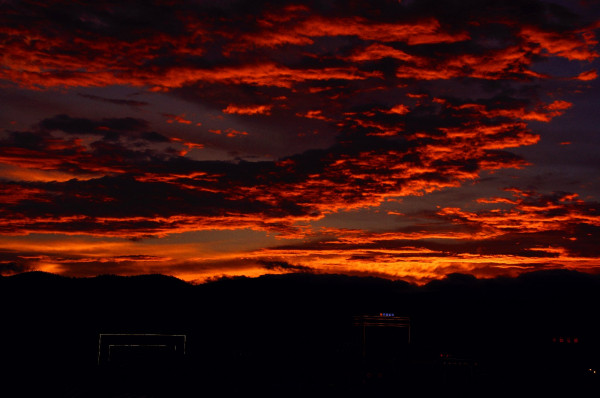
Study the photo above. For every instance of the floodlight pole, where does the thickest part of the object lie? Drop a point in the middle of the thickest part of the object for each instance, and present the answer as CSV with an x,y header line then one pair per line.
x,y
364,342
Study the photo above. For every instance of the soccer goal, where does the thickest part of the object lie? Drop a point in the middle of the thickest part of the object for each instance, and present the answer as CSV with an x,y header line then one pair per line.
x,y
139,349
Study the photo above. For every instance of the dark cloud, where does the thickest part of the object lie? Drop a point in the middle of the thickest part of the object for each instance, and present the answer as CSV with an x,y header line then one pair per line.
x,y
118,145
82,126
12,262
284,266
9,268
115,101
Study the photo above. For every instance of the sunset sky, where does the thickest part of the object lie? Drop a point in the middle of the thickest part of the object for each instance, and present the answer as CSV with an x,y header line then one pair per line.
x,y
404,139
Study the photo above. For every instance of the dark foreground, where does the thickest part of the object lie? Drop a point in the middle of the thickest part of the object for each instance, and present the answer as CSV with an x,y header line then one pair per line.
x,y
294,336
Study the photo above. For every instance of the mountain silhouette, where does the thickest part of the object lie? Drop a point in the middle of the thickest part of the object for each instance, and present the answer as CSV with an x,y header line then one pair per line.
x,y
275,332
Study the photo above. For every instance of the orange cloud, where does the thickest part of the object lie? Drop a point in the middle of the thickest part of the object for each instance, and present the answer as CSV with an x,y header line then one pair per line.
x,y
421,265
249,110
314,114
587,75
399,109
530,232
188,145
529,213
177,118
229,132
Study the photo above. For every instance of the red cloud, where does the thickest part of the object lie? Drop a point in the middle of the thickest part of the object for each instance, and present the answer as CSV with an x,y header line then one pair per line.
x,y
572,45
378,51
49,57
13,193
229,132
507,63
278,32
267,74
530,213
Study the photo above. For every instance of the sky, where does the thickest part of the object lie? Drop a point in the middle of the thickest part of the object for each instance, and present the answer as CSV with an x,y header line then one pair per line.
x,y
201,139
